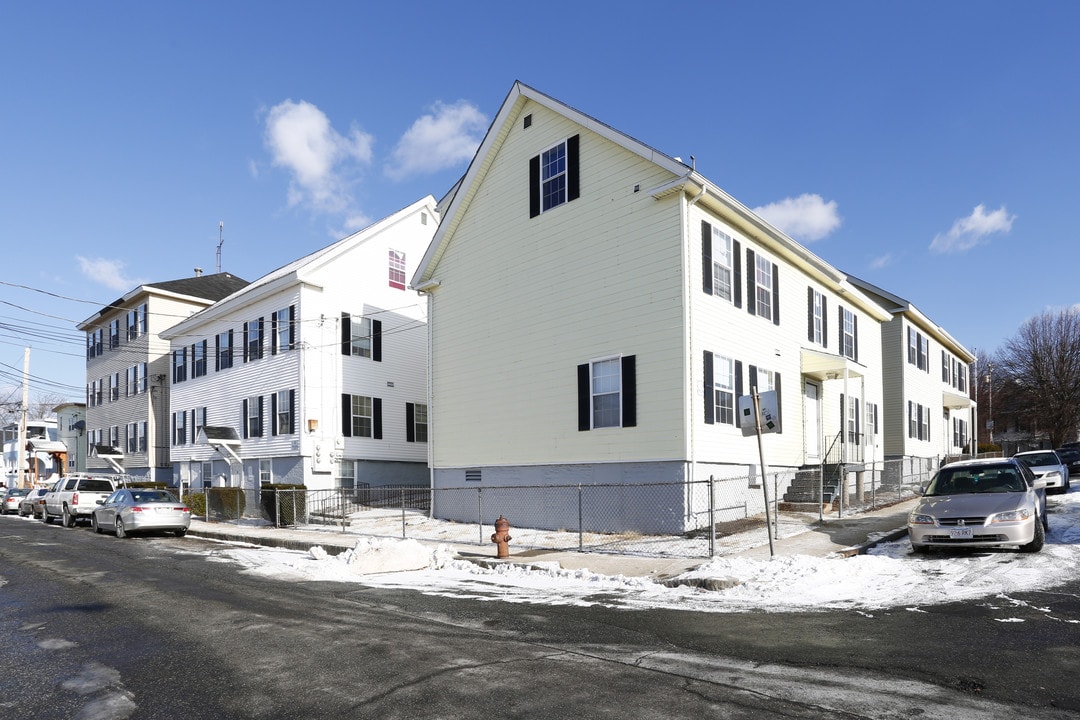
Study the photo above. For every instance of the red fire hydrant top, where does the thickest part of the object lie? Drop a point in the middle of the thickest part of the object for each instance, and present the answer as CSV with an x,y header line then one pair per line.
x,y
501,537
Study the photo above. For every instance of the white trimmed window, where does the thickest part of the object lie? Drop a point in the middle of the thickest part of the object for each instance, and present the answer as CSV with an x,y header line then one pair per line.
x,y
763,284
724,389
362,416
266,471
553,176
722,263
847,334
817,318
397,269
360,339
606,393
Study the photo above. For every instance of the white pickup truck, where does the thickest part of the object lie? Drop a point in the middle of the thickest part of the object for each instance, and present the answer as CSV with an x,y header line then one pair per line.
x,y
75,497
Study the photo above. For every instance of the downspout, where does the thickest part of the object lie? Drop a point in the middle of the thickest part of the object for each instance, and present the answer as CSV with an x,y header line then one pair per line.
x,y
425,290
689,360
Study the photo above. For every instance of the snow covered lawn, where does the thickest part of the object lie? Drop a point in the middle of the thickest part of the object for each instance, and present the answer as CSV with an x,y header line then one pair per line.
x,y
890,576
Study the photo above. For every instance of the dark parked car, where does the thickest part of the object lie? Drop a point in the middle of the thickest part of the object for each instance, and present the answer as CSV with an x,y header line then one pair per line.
x,y
1071,457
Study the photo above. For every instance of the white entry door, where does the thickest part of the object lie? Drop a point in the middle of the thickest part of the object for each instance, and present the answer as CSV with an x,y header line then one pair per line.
x,y
812,415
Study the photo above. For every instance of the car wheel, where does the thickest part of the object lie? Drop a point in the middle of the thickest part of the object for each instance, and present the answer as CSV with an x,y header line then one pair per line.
x,y
45,517
1037,542
21,513
181,532
94,524
119,525
68,520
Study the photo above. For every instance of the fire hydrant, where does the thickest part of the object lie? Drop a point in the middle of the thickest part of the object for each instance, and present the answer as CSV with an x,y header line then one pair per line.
x,y
501,536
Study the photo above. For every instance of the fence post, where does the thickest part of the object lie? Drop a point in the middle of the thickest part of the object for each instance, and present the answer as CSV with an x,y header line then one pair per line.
x,y
402,513
580,521
712,516
341,507
277,508
480,513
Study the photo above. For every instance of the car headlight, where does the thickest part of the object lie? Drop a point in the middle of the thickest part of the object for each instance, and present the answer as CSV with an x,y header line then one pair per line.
x,y
1011,516
1053,476
914,519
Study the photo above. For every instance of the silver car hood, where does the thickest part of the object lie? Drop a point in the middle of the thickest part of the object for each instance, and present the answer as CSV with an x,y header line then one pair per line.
x,y
973,504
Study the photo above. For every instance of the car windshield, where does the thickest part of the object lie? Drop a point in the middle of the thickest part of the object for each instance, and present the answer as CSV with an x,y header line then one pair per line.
x,y
152,496
1038,459
968,480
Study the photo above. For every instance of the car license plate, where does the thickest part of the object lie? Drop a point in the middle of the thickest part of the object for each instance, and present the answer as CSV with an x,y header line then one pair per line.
x,y
961,533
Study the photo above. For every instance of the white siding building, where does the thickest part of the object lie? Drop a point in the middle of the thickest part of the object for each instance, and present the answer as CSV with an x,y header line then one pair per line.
x,y
929,412
127,365
314,374
597,308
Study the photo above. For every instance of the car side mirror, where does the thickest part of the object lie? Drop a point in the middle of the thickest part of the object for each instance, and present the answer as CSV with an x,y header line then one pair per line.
x,y
1039,484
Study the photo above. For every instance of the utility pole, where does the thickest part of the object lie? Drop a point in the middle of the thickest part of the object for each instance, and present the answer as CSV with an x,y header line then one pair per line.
x,y
21,452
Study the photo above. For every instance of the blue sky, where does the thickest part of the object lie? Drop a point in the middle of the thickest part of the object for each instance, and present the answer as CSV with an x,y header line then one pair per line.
x,y
929,148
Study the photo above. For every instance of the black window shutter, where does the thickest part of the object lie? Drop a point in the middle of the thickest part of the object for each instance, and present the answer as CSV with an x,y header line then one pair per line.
x,y
751,283
736,272
534,186
217,352
855,334
875,419
292,412
376,410
706,258
824,321
810,314
273,414
346,334
244,417
410,415
629,391
779,404
752,376
840,328
710,409
584,421
259,351
573,184
843,417
273,334
292,327
776,294
261,406
244,342
376,340
738,385
346,414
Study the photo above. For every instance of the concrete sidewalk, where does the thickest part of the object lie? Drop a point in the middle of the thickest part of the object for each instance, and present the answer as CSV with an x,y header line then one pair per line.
x,y
845,537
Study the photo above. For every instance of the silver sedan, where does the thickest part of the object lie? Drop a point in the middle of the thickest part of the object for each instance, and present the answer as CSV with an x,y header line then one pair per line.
x,y
981,503
131,510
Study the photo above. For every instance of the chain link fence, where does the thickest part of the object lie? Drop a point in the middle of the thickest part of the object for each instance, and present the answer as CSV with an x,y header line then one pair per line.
x,y
690,519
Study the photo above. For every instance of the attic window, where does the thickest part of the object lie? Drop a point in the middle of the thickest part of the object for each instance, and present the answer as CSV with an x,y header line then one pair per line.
x,y
553,177
528,121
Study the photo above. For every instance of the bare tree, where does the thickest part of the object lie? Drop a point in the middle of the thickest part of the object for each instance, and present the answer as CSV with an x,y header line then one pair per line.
x,y
1040,373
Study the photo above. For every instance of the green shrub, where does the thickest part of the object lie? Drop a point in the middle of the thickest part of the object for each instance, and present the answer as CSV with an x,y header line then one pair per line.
x,y
226,502
197,503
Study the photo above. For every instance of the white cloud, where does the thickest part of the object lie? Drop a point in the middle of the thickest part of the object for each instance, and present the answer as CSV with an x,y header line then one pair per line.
x,y
109,273
880,262
448,135
806,218
301,140
967,232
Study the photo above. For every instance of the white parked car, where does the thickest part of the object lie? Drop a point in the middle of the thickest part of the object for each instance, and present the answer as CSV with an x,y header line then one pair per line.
x,y
1048,465
132,510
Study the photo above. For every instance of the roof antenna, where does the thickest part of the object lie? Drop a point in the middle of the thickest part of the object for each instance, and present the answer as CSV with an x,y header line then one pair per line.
x,y
220,229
